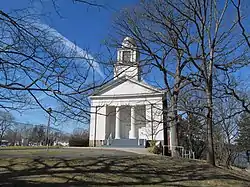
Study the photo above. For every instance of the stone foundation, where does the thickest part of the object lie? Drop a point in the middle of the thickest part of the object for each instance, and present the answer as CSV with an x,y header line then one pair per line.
x,y
95,143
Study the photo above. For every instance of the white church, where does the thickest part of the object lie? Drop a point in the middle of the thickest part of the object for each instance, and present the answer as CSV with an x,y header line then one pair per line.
x,y
126,111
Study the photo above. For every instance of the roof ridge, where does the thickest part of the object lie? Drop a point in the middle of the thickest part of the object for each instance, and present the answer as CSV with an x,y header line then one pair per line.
x,y
120,80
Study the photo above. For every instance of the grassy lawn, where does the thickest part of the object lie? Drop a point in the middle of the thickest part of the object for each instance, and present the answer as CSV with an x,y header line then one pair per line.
x,y
114,171
30,152
27,147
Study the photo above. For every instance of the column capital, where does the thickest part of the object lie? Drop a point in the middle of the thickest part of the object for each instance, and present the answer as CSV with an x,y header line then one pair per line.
x,y
117,109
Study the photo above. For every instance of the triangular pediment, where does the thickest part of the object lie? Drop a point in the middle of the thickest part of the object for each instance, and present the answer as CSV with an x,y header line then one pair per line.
x,y
126,87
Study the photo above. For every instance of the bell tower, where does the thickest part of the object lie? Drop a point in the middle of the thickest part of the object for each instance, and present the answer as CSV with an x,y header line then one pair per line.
x,y
127,60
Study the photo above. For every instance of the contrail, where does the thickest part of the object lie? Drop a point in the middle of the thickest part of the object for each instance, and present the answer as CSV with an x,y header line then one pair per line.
x,y
71,46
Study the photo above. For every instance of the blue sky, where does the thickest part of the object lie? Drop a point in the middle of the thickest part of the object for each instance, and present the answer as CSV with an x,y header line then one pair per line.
x,y
86,26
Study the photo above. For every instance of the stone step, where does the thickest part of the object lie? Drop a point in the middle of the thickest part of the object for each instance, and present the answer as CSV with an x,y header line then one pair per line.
x,y
126,143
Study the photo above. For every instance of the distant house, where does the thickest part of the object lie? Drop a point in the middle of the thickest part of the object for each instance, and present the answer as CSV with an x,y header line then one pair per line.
x,y
64,144
4,142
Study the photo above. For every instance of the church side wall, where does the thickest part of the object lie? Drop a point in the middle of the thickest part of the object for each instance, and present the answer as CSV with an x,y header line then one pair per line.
x,y
92,126
154,116
158,121
101,124
98,127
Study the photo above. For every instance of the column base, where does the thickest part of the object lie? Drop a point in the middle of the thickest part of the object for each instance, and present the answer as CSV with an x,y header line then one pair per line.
x,y
132,136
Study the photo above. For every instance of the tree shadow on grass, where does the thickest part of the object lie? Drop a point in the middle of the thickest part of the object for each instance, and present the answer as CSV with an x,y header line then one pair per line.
x,y
110,171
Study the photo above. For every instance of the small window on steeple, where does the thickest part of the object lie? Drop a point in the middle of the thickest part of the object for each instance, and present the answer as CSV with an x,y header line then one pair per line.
x,y
126,56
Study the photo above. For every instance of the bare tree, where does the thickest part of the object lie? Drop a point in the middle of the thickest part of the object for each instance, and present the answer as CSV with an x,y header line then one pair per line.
x,y
227,113
80,133
193,123
6,122
159,44
234,86
206,34
38,65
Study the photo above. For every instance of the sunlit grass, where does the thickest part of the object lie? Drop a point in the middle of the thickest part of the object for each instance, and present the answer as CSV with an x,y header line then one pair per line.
x,y
27,147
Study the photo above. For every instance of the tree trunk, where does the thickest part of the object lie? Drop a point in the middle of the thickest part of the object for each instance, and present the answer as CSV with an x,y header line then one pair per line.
x,y
210,145
173,126
165,125
190,146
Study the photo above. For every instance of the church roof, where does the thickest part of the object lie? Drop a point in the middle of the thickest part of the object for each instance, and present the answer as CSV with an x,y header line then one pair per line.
x,y
132,88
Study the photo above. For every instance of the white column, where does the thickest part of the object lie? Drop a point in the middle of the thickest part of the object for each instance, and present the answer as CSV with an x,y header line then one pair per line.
x,y
133,123
117,123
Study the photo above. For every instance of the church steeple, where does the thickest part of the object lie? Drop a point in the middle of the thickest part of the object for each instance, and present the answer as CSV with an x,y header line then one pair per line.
x,y
127,60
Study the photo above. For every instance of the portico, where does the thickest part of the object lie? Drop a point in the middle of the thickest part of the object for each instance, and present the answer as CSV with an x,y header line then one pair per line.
x,y
122,123
127,107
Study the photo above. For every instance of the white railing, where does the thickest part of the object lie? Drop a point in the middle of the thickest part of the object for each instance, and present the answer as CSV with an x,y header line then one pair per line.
x,y
183,153
189,154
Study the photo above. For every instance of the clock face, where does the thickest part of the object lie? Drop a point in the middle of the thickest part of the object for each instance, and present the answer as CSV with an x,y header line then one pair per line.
x,y
126,56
